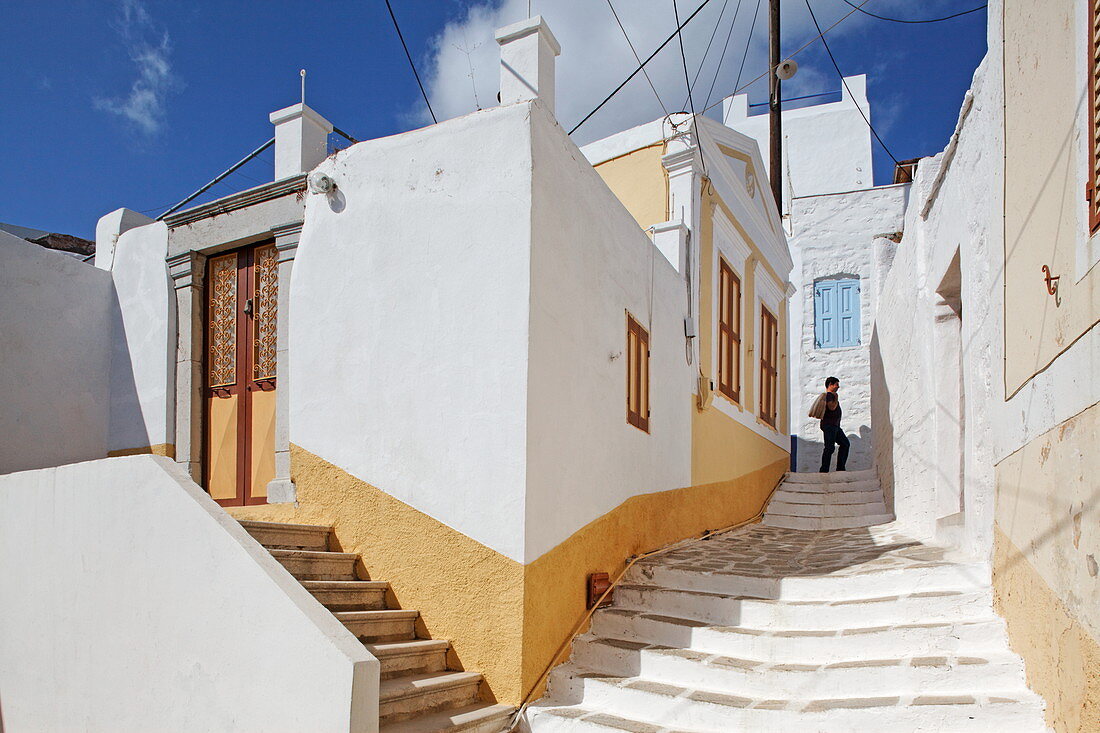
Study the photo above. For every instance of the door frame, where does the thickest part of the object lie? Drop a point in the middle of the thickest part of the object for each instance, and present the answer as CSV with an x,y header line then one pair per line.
x,y
187,263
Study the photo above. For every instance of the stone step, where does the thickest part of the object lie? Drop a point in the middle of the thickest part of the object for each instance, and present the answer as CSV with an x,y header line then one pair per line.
x,y
378,626
309,565
820,523
275,535
833,477
787,509
349,595
832,488
827,497
750,677
419,656
684,708
926,576
800,646
575,719
404,698
732,610
478,718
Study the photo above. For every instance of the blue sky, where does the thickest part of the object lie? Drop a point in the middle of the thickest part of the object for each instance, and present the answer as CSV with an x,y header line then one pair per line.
x,y
136,103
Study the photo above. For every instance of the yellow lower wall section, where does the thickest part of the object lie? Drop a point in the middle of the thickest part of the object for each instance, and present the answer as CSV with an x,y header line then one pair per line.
x,y
1063,661
722,447
556,582
465,592
504,620
161,449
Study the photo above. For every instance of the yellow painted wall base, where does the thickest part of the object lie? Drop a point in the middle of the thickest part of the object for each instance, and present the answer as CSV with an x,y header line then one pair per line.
x,y
503,620
1062,659
465,592
161,449
556,582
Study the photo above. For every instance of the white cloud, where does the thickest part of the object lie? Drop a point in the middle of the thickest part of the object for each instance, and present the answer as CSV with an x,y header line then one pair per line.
x,y
150,51
595,56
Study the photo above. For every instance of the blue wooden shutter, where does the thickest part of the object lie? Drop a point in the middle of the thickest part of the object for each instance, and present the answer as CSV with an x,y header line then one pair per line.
x,y
825,315
847,295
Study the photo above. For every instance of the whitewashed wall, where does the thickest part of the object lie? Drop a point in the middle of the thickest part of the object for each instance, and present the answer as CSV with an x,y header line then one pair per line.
x,y
947,214
55,355
143,323
409,328
832,235
590,264
826,148
132,602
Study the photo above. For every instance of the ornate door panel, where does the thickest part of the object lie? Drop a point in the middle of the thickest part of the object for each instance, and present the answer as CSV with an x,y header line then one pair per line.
x,y
242,309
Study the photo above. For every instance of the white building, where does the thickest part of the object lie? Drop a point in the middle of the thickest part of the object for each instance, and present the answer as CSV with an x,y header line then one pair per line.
x,y
832,213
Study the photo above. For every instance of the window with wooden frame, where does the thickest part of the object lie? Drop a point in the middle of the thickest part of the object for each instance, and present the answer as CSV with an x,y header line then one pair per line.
x,y
1092,183
637,374
769,371
729,331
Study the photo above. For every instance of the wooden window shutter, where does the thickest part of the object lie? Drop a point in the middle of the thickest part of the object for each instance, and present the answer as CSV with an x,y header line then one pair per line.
x,y
1092,184
729,332
637,374
769,359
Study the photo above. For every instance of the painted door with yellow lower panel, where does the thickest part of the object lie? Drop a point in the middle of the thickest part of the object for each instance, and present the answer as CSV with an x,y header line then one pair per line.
x,y
242,311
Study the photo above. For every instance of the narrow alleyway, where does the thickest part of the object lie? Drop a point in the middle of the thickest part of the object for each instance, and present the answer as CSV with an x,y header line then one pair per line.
x,y
816,629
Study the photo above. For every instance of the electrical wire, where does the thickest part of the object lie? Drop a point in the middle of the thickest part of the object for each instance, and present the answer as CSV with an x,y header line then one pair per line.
x,y
845,83
710,42
748,42
410,58
638,59
797,51
687,83
928,20
641,66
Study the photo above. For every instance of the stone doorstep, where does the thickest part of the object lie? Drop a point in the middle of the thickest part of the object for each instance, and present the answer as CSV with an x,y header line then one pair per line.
x,y
313,565
806,646
348,595
753,678
617,695
717,609
832,477
402,698
820,523
377,626
826,511
276,535
480,718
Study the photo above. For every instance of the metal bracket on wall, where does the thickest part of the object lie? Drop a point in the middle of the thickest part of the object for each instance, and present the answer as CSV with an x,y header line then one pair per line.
x,y
1052,285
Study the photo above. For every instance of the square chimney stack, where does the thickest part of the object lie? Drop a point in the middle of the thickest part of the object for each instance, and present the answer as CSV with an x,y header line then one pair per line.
x,y
527,53
301,140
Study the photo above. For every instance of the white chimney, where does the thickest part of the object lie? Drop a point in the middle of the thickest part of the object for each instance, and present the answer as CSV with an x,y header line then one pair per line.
x,y
527,52
301,140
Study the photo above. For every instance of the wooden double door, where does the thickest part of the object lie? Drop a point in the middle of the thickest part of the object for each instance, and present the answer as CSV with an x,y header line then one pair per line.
x,y
242,299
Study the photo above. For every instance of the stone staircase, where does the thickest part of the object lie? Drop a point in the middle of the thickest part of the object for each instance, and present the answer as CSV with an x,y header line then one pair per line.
x,y
418,691
839,500
771,628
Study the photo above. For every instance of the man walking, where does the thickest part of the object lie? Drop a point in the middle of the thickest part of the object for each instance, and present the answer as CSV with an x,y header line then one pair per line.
x,y
830,427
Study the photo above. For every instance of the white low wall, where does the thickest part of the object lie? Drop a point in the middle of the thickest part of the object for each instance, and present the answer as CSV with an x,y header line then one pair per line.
x,y
132,602
55,337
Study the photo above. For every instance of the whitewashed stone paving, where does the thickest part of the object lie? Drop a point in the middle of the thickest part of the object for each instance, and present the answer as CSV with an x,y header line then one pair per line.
x,y
771,628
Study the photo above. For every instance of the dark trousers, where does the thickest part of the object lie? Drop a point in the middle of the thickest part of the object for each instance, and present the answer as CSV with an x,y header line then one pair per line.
x,y
834,436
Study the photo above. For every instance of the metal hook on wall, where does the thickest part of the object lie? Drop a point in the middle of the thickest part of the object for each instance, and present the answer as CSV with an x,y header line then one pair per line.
x,y
1052,285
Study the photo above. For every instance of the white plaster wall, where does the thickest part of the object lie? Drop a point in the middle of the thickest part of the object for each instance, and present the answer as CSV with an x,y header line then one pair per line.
x,y
589,265
832,235
826,147
55,336
143,341
409,333
157,612
967,218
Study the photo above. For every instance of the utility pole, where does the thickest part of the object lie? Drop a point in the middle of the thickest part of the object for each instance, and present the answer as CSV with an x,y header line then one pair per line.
x,y
775,107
